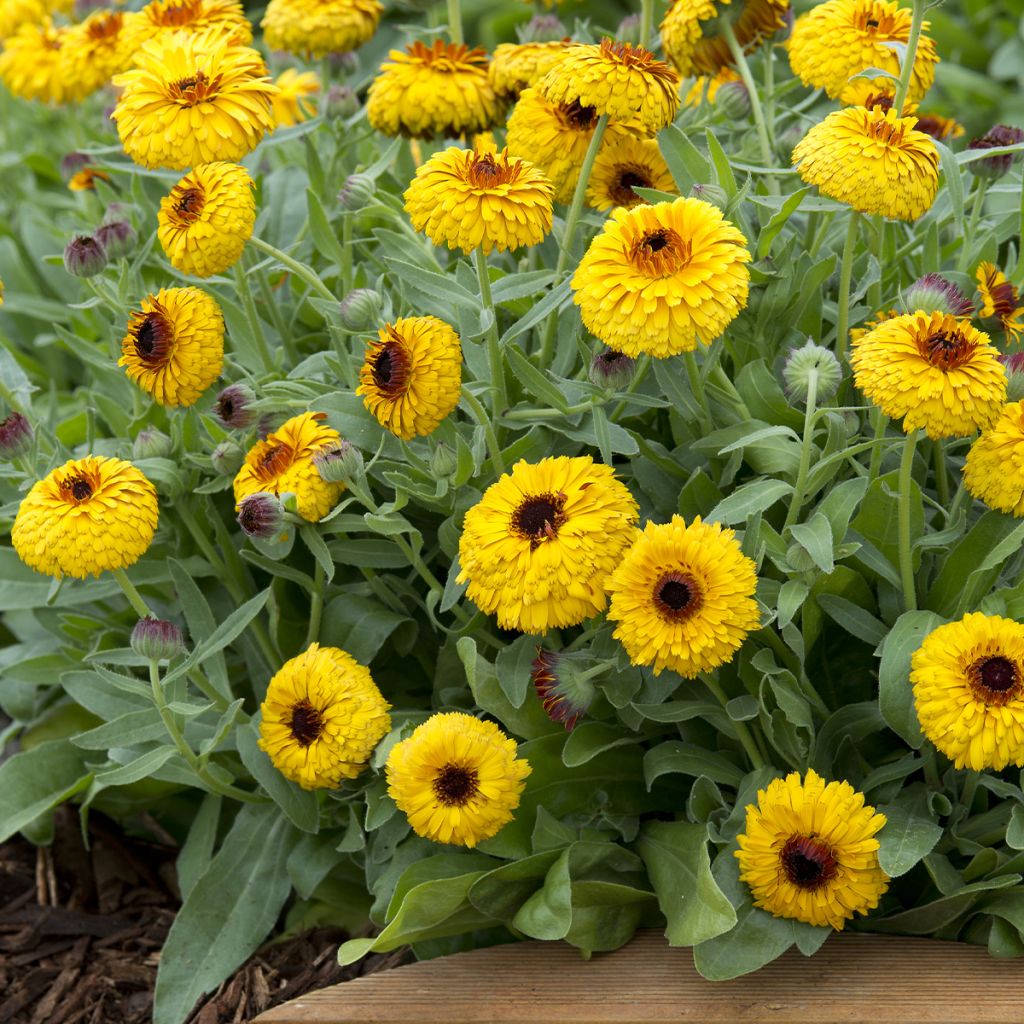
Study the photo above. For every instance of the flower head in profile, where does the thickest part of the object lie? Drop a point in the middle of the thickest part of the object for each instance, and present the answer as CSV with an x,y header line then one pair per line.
x,y
872,160
932,370
457,779
998,136
682,597
705,87
933,293
541,542
1000,300
193,99
85,517
174,346
661,278
412,375
322,717
622,165
438,90
282,463
315,28
96,49
207,218
968,680
160,19
994,470
563,685
472,200
295,101
809,851
33,63
517,66
16,433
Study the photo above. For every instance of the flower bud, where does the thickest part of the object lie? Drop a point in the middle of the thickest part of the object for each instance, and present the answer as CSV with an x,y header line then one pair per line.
x,y
343,62
340,463
628,30
563,686
151,443
227,458
72,163
361,309
994,167
15,437
84,256
357,192
157,639
443,462
341,102
1014,363
934,294
117,237
233,407
798,368
545,28
611,369
733,100
712,194
261,515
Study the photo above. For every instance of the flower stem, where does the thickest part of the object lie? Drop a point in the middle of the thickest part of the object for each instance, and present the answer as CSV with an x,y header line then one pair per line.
x,y
499,396
300,270
316,605
693,373
903,522
909,57
480,415
941,475
881,425
646,23
135,599
346,252
252,317
845,276
978,201
805,450
455,21
742,732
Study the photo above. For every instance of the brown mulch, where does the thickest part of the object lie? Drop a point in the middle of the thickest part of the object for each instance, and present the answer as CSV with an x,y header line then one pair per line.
x,y
81,931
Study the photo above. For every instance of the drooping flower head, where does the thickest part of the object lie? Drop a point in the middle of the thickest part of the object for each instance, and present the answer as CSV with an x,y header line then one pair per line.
x,y
517,66
193,99
32,63
683,597
872,160
968,679
96,49
934,371
541,542
808,851
625,82
283,463
85,517
661,278
412,375
1000,299
295,101
564,688
836,40
315,28
207,218
472,200
427,91
705,87
994,167
994,471
623,164
233,407
457,779
174,346
160,19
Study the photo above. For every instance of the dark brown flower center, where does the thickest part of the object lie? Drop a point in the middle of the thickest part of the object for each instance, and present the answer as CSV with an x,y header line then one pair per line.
x,y
612,359
174,15
307,723
484,171
78,488
887,132
577,117
625,181
661,253
274,459
187,205
539,517
677,596
194,89
996,680
391,368
947,349
808,862
455,785
106,27
153,334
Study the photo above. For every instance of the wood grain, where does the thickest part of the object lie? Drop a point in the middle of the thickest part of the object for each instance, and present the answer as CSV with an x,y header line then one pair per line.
x,y
854,979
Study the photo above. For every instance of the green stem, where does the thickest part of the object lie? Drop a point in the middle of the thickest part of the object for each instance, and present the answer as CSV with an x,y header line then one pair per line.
x,y
455,21
797,501
693,373
909,57
941,474
499,396
208,690
480,415
878,449
845,276
252,317
742,732
346,252
135,599
967,248
283,330
963,497
316,605
903,522
646,22
967,792
643,366
300,270
875,291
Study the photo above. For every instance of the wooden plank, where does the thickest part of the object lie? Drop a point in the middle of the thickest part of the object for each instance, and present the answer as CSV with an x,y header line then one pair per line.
x,y
854,979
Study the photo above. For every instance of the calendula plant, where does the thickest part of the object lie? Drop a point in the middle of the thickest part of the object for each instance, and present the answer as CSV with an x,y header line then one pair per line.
x,y
467,497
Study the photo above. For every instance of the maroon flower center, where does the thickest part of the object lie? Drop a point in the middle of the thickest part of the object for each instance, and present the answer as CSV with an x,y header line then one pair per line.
x,y
307,723
626,180
77,488
947,349
996,680
391,368
455,785
153,334
661,253
577,117
808,862
539,517
677,596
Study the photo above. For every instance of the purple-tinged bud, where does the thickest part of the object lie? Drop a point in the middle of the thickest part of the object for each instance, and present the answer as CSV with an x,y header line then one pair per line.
x,y
339,463
628,30
233,407
343,62
733,100
361,309
84,256
800,362
934,294
994,167
72,163
261,515
611,369
341,102
356,192
15,437
1014,363
117,237
713,194
227,458
563,686
157,639
151,443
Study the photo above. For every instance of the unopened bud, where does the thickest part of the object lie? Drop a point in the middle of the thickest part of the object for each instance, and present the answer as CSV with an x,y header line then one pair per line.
x,y
261,515
84,256
343,62
733,100
443,462
157,639
233,407
802,362
151,443
712,194
357,192
15,437
361,309
628,30
611,369
563,685
994,167
227,458
1014,364
544,28
117,237
71,164
341,102
339,463
934,294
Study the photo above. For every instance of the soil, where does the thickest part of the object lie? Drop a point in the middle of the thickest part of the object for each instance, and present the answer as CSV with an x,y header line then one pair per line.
x,y
81,931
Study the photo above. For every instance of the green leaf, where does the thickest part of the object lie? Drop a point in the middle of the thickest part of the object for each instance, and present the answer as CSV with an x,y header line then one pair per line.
x,y
201,623
501,892
815,537
442,287
686,163
777,222
547,914
589,739
324,238
895,695
299,805
928,918
687,759
137,768
36,780
748,500
954,185
909,834
534,380
197,851
723,170
854,619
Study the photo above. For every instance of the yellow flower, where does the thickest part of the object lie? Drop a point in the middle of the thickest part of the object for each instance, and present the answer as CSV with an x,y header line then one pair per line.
x,y
625,82
441,90
322,717
295,101
315,28
95,49
660,278
809,852
456,778
472,200
994,471
283,464
695,95
872,160
193,99
935,371
85,517
85,179
999,299
160,19
412,375
968,679
541,542
622,165
516,66
694,52
174,346
683,597
939,127
15,13
880,92
835,41
33,63
206,220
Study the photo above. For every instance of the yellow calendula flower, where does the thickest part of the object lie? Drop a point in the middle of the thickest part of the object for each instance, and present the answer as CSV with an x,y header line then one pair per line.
x,y
705,87
412,375
85,179
96,49
622,165
174,346
968,679
315,28
872,160
295,101
161,19
470,200
661,278
939,127
85,517
322,717
457,779
283,464
935,371
1000,299
207,218
994,471
193,99
15,13
880,92
625,82
683,597
808,851
516,66
438,90
32,63
541,542
835,41
688,31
